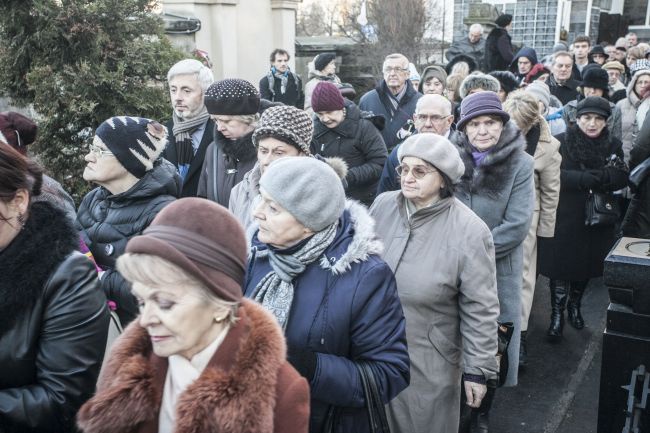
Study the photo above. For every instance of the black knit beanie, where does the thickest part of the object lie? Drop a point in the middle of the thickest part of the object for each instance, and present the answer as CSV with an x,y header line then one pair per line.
x,y
322,60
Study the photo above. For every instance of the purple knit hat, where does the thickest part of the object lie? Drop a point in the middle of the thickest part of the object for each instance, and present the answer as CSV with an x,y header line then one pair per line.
x,y
326,97
480,104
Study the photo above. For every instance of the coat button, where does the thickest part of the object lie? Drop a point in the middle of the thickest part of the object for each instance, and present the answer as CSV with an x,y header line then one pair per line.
x,y
109,249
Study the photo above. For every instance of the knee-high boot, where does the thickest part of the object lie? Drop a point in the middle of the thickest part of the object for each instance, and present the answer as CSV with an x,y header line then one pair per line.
x,y
559,293
574,302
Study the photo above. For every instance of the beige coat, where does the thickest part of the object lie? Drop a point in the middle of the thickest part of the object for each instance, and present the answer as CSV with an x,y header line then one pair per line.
x,y
547,194
443,260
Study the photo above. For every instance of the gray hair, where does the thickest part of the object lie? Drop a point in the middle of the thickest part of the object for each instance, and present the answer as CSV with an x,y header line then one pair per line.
x,y
478,81
192,67
436,99
561,54
399,56
476,27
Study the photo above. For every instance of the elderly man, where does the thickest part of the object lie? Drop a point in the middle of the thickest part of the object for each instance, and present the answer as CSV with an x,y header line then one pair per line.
x,y
560,82
134,184
191,129
472,45
394,98
615,71
433,113
280,84
631,40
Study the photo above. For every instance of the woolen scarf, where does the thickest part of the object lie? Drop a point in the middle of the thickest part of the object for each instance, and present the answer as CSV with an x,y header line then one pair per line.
x,y
592,152
275,290
183,130
284,79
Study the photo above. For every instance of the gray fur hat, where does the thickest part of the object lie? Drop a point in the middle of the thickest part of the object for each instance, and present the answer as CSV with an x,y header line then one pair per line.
x,y
478,81
437,151
308,188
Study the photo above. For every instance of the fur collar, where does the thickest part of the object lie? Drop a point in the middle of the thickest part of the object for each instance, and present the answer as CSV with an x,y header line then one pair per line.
x,y
364,241
239,150
31,258
489,176
235,393
592,152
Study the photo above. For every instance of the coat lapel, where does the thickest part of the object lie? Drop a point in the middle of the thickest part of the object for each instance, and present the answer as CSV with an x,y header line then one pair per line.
x,y
197,161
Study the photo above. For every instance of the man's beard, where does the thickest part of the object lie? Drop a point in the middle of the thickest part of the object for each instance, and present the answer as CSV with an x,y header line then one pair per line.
x,y
185,115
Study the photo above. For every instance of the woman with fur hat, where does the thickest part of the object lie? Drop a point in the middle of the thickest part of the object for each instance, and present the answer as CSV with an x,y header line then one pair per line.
x,y
507,83
592,159
498,185
234,105
200,358
343,131
451,314
134,184
53,314
498,45
315,265
322,68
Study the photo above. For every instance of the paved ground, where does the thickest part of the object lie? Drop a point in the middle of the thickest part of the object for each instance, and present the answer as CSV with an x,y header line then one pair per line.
x,y
558,391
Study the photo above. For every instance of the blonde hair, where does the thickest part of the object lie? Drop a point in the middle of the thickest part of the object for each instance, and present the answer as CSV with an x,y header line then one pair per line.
x,y
453,84
460,68
154,271
523,109
637,53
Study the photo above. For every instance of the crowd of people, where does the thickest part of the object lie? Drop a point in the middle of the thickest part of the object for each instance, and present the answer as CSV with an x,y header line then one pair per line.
x,y
280,256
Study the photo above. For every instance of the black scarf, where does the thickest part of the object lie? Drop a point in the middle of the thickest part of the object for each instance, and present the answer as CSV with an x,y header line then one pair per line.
x,y
28,261
239,150
532,139
591,152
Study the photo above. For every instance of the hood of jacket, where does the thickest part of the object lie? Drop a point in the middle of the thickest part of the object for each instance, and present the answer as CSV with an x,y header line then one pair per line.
x,y
235,393
634,99
527,52
162,179
488,177
354,242
47,238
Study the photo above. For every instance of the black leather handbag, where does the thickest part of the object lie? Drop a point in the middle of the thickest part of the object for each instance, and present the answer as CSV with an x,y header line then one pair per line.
x,y
601,209
374,404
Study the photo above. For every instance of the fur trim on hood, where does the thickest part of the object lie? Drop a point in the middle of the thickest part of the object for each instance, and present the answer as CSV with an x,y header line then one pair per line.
x,y
364,242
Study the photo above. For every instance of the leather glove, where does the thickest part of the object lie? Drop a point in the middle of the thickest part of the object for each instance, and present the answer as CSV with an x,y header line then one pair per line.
x,y
589,180
303,360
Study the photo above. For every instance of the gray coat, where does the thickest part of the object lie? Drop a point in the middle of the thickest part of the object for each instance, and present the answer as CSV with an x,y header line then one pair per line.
x,y
502,192
451,311
243,199
464,46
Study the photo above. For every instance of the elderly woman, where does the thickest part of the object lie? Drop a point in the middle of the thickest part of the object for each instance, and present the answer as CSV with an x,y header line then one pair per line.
x,y
342,130
630,112
451,315
53,315
498,186
199,357
544,148
315,265
233,104
591,160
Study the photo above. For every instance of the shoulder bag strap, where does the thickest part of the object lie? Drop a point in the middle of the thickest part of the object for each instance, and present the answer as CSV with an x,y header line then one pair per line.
x,y
374,404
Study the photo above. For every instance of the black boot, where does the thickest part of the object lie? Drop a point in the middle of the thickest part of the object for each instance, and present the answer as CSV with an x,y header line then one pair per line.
x,y
559,292
573,304
523,350
481,416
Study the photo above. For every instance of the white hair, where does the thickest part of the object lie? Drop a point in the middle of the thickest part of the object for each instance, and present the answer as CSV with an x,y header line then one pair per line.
x,y
437,100
476,27
192,67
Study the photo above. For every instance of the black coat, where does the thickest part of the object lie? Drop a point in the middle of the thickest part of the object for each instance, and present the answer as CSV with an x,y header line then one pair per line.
x,y
637,219
577,251
191,182
498,50
53,326
106,222
564,92
361,146
293,94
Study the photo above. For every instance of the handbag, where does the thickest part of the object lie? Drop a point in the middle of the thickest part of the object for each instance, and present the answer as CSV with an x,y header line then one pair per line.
x,y
504,335
374,404
601,209
638,175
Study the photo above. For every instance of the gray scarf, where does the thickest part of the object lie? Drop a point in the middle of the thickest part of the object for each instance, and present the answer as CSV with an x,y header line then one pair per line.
x,y
275,290
284,79
182,130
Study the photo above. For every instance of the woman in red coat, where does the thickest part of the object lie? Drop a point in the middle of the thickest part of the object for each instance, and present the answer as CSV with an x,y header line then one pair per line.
x,y
199,358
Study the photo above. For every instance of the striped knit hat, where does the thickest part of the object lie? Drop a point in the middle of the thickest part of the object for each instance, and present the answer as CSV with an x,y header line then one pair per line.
x,y
288,124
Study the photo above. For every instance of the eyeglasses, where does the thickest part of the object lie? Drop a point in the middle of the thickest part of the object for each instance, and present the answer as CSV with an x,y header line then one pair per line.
x,y
99,152
396,69
434,119
418,172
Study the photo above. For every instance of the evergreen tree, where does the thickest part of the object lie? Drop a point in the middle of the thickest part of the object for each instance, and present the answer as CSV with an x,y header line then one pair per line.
x,y
79,62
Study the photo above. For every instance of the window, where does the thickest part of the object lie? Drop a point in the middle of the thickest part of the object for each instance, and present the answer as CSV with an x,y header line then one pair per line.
x,y
636,12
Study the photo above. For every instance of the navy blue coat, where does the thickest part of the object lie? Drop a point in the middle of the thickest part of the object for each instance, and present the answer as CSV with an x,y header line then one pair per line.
x,y
378,102
349,311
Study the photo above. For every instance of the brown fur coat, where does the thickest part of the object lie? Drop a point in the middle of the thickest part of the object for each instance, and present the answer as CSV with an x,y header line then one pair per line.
x,y
248,386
